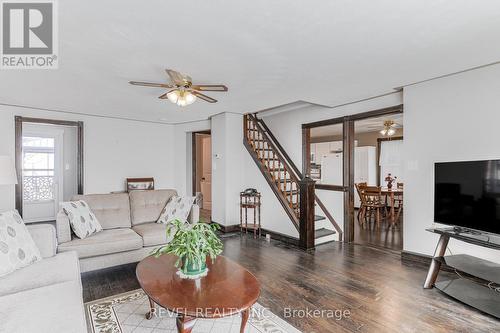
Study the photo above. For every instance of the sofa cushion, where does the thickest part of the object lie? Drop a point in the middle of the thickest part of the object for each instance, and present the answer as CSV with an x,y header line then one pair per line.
x,y
152,233
104,242
112,210
17,248
81,218
60,268
178,208
53,308
146,206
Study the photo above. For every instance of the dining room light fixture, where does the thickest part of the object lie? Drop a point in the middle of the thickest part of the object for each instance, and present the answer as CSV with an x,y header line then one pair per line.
x,y
389,129
181,97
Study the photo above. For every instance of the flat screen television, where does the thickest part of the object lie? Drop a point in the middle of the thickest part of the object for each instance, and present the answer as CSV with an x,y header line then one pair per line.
x,y
467,194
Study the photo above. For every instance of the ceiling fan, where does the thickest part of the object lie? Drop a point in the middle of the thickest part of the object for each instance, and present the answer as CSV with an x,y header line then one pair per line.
x,y
183,92
389,127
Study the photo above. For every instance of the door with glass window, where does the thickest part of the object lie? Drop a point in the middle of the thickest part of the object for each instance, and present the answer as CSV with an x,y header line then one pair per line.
x,y
42,174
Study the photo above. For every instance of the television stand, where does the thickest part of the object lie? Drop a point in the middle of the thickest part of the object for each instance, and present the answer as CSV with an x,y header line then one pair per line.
x,y
479,282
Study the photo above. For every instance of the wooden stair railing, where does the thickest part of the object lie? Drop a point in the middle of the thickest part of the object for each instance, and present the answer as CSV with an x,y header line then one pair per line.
x,y
294,192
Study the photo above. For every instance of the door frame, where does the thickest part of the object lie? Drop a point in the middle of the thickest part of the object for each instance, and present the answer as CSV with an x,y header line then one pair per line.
x,y
193,153
348,158
19,120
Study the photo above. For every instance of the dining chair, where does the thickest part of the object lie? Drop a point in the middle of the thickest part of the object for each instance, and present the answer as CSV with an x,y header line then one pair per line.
x,y
373,203
359,190
398,201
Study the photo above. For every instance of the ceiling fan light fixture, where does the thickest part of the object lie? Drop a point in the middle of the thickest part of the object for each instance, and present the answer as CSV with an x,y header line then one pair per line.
x,y
173,96
389,129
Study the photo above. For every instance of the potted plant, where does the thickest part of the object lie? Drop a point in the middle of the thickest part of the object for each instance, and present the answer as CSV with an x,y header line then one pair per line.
x,y
191,243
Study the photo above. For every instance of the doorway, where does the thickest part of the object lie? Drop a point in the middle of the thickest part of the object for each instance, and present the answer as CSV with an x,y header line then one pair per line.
x,y
338,156
49,166
202,173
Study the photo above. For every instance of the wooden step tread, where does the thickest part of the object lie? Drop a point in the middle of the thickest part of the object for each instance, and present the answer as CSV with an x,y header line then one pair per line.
x,y
319,218
318,233
255,130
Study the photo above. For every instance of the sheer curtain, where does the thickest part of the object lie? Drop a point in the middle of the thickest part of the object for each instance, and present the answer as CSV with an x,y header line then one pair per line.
x,y
390,160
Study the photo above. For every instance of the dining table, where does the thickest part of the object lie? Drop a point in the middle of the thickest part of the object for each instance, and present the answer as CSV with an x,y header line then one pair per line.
x,y
391,193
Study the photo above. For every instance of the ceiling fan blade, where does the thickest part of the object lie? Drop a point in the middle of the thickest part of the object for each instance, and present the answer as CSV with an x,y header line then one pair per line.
x,y
209,87
203,97
175,76
150,84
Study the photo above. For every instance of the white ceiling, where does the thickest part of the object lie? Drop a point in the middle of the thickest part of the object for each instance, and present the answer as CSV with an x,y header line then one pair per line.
x,y
267,52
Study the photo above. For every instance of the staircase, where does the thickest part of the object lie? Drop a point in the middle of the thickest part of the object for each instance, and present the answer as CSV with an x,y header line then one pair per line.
x,y
294,192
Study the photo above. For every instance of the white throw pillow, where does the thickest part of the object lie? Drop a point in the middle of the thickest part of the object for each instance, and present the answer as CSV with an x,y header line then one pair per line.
x,y
17,248
82,220
176,208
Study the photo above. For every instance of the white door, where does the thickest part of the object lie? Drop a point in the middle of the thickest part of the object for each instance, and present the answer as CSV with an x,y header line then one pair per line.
x,y
42,172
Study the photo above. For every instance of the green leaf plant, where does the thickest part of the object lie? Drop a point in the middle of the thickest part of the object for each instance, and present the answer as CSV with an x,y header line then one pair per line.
x,y
191,243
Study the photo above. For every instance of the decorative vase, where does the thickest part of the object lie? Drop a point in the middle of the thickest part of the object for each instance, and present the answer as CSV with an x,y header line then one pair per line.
x,y
190,271
389,184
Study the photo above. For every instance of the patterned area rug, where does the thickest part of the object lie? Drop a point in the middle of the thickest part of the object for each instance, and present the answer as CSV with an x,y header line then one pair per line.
x,y
124,313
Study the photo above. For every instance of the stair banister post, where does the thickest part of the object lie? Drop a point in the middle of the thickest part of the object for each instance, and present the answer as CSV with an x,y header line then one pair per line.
x,y
306,226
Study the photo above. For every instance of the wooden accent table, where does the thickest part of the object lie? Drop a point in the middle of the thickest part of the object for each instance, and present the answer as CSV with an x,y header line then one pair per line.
x,y
228,289
250,201
391,193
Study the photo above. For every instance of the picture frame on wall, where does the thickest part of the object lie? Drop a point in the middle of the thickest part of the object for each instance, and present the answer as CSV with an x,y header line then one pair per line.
x,y
141,184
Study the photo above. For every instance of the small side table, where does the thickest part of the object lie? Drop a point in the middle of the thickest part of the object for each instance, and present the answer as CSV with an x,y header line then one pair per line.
x,y
250,201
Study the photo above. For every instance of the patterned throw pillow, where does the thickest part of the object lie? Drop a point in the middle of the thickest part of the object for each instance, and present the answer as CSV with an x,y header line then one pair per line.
x,y
83,222
176,208
17,248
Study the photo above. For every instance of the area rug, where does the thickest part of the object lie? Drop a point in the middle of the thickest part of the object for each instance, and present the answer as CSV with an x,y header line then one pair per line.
x,y
124,313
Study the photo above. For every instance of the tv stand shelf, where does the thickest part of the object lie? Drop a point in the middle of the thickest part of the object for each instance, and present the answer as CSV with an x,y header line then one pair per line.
x,y
479,268
477,291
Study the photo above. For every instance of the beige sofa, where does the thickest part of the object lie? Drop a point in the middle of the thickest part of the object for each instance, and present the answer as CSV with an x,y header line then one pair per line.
x,y
45,296
129,229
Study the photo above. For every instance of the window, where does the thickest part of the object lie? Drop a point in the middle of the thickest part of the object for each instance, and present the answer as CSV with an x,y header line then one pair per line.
x,y
390,160
38,169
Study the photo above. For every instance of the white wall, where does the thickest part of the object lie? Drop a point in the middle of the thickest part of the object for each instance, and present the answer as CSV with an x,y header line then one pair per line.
x,y
449,119
228,178
113,150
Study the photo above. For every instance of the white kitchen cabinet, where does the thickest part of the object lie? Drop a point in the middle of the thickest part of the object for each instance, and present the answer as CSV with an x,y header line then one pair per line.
x,y
365,168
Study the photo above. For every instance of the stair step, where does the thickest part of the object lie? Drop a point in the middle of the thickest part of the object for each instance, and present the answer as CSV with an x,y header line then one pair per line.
x,y
319,218
291,191
323,232
256,130
288,180
276,169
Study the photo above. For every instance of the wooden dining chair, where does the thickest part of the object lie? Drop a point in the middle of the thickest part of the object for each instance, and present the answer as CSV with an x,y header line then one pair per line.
x,y
398,201
359,190
373,203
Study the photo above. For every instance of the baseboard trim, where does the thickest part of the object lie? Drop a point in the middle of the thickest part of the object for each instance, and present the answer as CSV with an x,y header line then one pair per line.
x,y
228,228
412,257
409,257
281,237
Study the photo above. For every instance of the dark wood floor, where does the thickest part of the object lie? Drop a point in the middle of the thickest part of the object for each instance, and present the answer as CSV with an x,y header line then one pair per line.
x,y
391,238
381,293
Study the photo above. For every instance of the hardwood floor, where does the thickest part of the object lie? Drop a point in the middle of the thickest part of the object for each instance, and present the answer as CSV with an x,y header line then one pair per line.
x,y
381,237
382,293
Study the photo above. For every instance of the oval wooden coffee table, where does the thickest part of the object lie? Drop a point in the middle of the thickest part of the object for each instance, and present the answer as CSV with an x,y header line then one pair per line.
x,y
228,289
